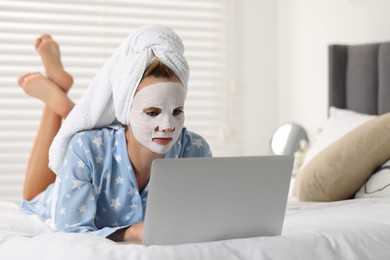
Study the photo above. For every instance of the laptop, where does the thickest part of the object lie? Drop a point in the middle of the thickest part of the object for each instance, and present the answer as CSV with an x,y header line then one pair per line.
x,y
195,200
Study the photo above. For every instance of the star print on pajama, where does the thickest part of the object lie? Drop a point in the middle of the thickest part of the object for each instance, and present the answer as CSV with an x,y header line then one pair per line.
x,y
96,191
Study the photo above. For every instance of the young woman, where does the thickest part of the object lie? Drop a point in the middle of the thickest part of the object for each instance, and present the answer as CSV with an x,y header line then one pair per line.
x,y
101,182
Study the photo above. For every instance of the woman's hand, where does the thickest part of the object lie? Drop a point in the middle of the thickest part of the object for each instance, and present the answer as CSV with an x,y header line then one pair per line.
x,y
133,233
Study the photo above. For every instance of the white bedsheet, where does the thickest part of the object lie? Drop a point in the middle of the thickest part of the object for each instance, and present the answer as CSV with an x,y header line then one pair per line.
x,y
355,229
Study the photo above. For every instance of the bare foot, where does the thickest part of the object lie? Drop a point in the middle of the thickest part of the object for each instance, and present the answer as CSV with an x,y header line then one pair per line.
x,y
37,85
50,54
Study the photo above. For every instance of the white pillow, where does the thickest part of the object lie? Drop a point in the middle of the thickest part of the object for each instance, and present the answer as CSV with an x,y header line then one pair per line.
x,y
339,122
378,185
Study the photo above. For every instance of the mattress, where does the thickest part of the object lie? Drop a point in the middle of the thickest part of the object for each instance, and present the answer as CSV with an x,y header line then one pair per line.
x,y
350,229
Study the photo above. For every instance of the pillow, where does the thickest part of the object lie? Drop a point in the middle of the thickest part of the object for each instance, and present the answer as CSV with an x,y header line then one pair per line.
x,y
339,122
338,171
378,185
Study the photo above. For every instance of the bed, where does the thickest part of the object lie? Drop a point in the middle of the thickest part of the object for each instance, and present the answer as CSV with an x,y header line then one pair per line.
x,y
353,224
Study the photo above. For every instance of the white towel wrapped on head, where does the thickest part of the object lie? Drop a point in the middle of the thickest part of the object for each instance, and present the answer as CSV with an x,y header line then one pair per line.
x,y
109,96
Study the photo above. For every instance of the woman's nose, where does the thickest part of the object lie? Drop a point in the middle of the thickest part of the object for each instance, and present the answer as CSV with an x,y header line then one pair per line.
x,y
166,124
165,130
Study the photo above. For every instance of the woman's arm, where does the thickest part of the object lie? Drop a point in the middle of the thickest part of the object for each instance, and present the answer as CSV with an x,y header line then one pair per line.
x,y
133,233
75,207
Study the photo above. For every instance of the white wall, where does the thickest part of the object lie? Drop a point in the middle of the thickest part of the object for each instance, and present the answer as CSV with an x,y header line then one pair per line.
x,y
305,29
284,69
257,21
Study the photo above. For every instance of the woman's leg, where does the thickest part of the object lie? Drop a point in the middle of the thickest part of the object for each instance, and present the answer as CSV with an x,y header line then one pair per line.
x,y
38,174
50,54
57,106
52,91
54,97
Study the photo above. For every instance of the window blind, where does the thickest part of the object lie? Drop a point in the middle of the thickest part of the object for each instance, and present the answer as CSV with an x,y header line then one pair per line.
x,y
88,31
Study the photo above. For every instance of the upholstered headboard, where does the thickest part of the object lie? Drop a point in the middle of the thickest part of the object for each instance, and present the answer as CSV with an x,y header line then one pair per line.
x,y
359,77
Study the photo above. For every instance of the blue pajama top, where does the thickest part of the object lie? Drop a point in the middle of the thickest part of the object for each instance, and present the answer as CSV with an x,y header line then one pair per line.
x,y
96,190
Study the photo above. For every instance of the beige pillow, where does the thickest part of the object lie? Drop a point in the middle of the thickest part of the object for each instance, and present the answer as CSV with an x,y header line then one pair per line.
x,y
338,171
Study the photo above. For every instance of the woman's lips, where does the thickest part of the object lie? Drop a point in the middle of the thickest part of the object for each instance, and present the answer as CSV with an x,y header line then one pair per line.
x,y
162,141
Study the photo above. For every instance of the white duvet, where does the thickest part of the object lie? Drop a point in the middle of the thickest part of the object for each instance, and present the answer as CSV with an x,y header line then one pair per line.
x,y
354,229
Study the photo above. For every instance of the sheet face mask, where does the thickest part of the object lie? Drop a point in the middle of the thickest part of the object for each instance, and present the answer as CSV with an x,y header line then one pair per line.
x,y
167,97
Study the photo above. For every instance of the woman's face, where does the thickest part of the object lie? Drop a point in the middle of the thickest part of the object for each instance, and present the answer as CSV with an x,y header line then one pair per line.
x,y
156,114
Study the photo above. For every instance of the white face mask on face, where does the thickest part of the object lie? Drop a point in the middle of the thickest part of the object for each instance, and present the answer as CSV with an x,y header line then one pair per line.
x,y
156,116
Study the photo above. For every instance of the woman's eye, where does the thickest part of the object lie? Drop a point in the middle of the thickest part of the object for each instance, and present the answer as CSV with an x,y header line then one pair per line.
x,y
152,111
177,112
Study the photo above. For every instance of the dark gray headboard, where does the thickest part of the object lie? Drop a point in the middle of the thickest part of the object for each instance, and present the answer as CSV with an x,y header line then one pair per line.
x,y
359,77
